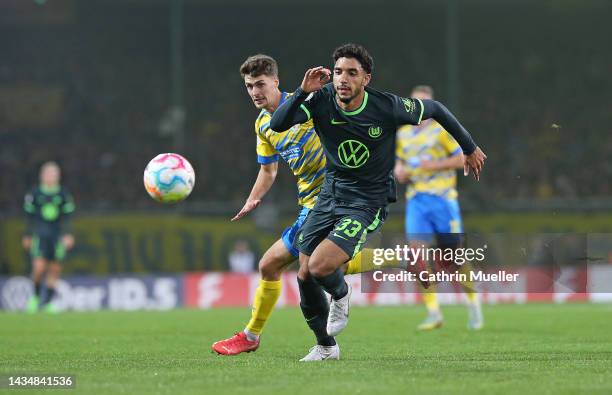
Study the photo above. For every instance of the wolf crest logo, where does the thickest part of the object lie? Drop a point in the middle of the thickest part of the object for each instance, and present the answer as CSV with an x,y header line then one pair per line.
x,y
375,131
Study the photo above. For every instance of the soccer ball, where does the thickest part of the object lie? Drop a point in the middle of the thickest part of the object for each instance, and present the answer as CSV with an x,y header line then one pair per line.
x,y
169,178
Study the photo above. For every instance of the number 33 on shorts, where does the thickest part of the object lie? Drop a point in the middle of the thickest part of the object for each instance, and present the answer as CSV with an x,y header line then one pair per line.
x,y
348,228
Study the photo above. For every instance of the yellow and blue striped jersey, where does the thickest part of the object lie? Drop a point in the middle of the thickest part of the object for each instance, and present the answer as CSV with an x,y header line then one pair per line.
x,y
299,147
427,141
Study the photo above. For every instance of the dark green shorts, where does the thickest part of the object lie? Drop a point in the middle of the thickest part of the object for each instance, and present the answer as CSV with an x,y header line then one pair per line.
x,y
345,225
50,248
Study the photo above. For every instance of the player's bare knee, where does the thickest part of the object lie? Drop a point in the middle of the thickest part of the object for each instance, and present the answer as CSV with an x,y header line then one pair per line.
x,y
303,273
270,269
54,271
38,269
318,267
37,276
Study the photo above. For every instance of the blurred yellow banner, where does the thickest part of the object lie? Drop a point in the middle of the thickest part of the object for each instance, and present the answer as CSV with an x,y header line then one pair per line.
x,y
143,243
120,243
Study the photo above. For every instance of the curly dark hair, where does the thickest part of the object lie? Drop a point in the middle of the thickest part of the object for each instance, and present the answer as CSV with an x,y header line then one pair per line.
x,y
355,51
259,64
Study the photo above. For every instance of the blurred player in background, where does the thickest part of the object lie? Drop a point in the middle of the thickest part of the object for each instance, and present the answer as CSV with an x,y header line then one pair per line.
x,y
301,149
426,159
48,236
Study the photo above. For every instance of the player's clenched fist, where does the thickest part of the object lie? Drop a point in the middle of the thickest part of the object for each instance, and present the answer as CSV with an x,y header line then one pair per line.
x,y
314,79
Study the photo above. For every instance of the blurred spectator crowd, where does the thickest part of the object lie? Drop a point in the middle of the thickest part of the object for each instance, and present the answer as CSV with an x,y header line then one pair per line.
x,y
95,94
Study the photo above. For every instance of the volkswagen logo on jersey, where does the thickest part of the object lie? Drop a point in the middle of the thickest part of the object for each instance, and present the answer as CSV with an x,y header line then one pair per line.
x,y
353,153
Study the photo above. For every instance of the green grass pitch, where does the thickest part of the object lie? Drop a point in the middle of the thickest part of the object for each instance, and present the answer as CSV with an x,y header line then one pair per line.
x,y
524,349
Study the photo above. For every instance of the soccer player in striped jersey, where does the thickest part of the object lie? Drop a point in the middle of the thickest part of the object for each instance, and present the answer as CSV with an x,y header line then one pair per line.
x,y
426,159
301,149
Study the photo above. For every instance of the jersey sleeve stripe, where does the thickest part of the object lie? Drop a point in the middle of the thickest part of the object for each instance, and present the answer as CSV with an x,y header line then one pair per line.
x,y
303,107
265,160
422,110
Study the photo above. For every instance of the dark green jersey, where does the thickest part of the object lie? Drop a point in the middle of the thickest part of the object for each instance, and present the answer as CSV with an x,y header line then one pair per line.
x,y
48,210
360,144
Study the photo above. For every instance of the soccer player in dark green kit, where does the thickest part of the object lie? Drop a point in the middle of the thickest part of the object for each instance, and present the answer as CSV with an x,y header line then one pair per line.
x,y
48,207
357,126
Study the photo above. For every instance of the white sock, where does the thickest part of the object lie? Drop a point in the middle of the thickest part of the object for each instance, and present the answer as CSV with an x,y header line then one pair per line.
x,y
251,336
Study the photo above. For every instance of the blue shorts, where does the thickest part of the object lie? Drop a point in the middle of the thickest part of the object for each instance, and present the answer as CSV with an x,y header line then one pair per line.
x,y
429,215
290,232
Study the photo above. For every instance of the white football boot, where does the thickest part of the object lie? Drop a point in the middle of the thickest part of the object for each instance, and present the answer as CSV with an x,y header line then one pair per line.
x,y
433,321
339,313
322,353
475,318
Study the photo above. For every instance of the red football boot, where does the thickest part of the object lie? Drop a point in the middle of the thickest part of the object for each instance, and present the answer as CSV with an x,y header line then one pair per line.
x,y
235,345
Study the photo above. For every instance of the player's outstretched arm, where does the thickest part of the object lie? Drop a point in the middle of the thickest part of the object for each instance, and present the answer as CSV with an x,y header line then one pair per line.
x,y
265,179
290,113
474,157
451,163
